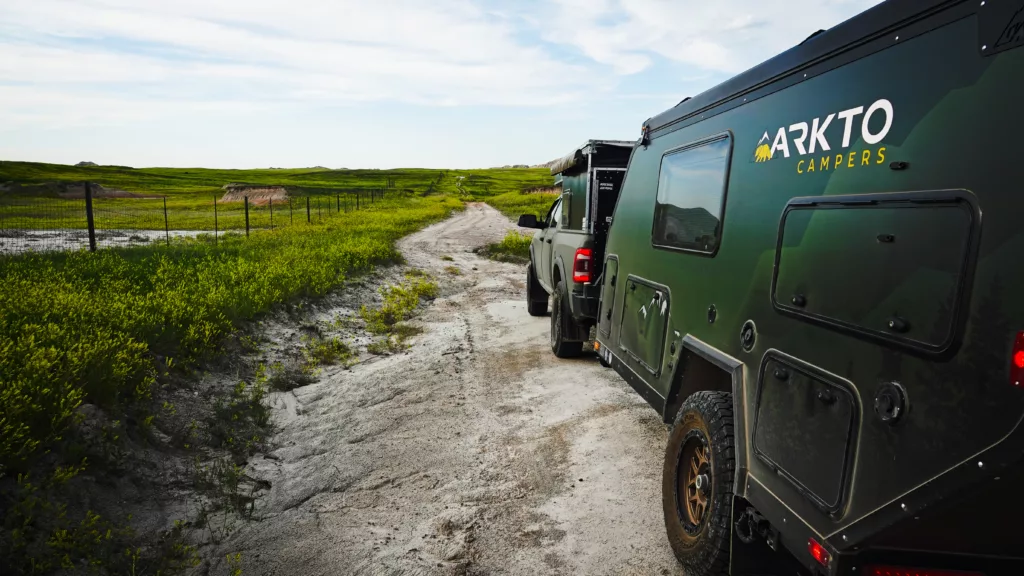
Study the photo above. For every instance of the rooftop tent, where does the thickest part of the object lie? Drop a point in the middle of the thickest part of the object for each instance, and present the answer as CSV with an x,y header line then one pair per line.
x,y
606,153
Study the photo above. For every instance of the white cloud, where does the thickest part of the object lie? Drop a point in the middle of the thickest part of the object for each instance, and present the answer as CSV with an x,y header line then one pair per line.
x,y
723,35
65,64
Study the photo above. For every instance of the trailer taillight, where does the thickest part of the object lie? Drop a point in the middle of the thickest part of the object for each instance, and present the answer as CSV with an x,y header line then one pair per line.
x,y
819,552
901,571
582,265
1017,361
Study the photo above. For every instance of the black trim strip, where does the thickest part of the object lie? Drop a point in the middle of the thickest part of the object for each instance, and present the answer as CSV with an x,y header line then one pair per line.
x,y
637,383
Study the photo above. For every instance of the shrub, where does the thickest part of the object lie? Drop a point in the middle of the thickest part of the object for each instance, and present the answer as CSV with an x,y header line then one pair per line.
x,y
514,247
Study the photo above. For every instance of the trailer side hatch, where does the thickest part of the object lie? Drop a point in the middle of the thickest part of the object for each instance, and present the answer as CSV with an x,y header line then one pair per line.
x,y
645,310
887,267
803,427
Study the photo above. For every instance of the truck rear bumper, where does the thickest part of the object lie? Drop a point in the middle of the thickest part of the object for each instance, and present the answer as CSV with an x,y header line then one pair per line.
x,y
584,304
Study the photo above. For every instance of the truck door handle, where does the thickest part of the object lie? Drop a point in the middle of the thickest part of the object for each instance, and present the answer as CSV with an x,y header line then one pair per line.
x,y
548,240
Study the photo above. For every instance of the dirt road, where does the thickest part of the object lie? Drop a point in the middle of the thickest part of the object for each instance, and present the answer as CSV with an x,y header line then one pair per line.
x,y
476,452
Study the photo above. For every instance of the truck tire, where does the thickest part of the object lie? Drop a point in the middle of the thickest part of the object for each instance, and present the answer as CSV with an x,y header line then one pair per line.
x,y
562,325
697,483
536,297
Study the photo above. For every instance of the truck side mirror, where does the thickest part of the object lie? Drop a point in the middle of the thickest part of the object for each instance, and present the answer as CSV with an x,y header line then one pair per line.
x,y
530,221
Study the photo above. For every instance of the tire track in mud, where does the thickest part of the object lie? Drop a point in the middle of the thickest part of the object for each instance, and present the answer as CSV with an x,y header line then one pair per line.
x,y
474,452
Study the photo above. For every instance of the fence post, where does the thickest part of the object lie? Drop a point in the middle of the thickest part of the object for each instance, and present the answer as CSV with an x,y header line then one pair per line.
x,y
246,216
319,214
167,227
89,217
357,200
214,220
291,212
308,219
271,213
338,198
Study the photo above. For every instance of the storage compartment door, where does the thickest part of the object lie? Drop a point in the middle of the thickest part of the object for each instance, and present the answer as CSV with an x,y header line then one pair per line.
x,y
608,183
888,267
604,315
644,320
803,428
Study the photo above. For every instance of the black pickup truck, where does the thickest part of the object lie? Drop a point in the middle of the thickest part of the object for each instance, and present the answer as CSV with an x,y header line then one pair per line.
x,y
566,253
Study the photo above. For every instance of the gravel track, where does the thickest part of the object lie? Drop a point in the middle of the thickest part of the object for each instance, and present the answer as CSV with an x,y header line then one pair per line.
x,y
475,452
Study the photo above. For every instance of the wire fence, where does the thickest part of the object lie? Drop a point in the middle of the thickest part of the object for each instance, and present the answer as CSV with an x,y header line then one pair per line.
x,y
36,224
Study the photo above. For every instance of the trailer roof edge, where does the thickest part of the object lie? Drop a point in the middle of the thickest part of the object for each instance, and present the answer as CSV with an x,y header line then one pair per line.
x,y
867,23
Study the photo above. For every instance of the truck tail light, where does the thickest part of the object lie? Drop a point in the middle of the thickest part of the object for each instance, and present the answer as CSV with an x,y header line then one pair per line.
x,y
1017,361
818,552
901,571
582,265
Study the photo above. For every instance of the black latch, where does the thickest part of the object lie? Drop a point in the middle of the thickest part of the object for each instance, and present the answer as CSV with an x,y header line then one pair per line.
x,y
799,300
781,373
897,324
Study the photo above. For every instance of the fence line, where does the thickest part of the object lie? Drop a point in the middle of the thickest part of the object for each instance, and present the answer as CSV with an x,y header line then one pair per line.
x,y
33,223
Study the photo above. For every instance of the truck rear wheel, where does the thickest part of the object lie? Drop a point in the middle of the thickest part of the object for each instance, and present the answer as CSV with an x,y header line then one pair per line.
x,y
562,325
697,483
536,297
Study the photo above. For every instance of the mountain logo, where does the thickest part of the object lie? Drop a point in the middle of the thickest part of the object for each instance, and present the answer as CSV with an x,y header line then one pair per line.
x,y
763,152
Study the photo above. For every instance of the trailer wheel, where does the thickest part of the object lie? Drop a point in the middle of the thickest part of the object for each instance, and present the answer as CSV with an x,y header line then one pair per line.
x,y
562,325
536,297
697,483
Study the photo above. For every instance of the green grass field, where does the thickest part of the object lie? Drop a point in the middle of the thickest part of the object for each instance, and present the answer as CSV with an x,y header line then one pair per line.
x,y
191,194
79,327
104,328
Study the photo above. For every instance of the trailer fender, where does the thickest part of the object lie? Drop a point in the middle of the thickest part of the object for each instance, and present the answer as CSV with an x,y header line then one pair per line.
x,y
701,367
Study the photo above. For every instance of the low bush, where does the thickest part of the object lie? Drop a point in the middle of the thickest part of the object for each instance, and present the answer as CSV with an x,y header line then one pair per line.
x,y
514,204
514,247
317,351
399,303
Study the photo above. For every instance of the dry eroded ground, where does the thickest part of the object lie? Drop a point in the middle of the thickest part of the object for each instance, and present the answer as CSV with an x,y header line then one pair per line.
x,y
477,452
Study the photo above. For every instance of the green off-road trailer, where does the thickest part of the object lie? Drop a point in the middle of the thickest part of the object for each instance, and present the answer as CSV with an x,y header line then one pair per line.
x,y
815,272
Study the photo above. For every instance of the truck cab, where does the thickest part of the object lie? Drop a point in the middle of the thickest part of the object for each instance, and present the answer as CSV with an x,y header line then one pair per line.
x,y
566,252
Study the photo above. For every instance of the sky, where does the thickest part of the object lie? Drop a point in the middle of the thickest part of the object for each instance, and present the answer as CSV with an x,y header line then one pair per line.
x,y
366,84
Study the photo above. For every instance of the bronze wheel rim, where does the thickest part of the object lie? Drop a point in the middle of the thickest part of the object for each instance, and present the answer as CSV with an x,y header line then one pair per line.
x,y
694,481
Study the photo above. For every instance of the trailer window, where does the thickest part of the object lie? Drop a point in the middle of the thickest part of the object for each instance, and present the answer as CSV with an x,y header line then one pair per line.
x,y
691,197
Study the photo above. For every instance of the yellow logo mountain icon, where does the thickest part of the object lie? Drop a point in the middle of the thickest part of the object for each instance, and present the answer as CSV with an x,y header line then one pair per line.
x,y
763,152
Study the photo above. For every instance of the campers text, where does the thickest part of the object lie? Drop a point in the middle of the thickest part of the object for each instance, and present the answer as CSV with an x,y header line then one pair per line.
x,y
816,140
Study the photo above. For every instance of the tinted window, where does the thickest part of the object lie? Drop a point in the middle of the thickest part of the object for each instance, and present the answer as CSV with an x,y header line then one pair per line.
x,y
556,215
691,190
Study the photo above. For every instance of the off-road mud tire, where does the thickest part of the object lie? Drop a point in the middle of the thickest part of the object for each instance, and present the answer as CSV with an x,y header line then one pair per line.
x,y
703,550
562,325
536,297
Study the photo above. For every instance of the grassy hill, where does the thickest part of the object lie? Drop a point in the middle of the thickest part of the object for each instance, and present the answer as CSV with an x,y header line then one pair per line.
x,y
205,182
